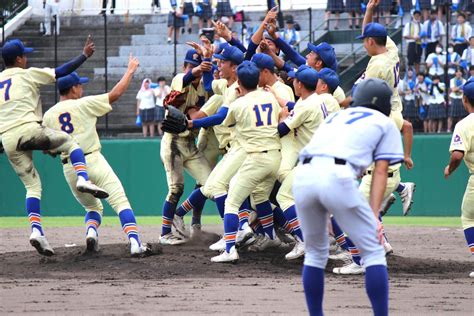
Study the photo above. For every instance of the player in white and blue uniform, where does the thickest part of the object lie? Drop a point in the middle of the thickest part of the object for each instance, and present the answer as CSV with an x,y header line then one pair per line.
x,y
326,182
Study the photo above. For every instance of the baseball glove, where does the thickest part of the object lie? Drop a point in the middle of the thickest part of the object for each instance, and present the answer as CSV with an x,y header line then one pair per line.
x,y
175,98
175,121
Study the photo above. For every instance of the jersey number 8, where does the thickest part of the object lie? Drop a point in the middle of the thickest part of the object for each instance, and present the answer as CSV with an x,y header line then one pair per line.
x,y
65,121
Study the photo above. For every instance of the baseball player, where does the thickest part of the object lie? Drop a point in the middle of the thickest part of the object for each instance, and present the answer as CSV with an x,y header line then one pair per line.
x,y
255,117
77,116
461,148
21,132
179,151
326,182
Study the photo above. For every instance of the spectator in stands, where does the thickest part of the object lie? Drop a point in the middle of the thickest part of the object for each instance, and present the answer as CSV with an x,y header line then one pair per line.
x,y
51,10
406,89
146,108
453,60
289,34
353,9
204,12
433,30
456,109
437,108
441,7
104,7
175,21
383,10
424,6
436,61
188,9
155,6
471,73
335,7
467,58
461,33
411,33
421,99
224,10
160,93
406,6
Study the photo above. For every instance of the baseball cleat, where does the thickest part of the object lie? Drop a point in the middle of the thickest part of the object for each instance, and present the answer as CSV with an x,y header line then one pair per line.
x,y
407,197
387,204
284,236
351,268
225,256
243,235
264,243
471,275
341,255
195,230
88,187
388,248
92,240
170,239
178,224
297,252
41,244
218,245
137,250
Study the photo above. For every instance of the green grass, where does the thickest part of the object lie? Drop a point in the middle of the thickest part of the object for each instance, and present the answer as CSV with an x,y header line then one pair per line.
x,y
20,222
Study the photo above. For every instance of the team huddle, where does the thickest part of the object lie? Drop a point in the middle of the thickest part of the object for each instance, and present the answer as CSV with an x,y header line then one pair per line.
x,y
282,165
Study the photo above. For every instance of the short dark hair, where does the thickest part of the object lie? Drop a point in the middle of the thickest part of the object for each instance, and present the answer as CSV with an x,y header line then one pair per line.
x,y
421,74
471,67
433,11
65,91
462,14
9,61
380,40
250,83
331,90
470,100
308,86
161,78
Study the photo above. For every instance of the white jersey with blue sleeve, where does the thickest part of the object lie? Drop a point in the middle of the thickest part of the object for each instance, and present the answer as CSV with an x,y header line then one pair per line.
x,y
358,135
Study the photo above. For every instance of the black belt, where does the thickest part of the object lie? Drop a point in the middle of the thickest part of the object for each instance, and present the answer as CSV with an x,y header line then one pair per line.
x,y
66,160
369,172
337,161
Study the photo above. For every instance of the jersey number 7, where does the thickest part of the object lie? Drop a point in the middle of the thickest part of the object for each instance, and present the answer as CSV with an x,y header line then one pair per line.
x,y
6,85
267,107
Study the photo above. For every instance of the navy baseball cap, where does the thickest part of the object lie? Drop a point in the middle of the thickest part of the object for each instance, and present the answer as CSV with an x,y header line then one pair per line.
x,y
373,30
263,61
468,89
232,54
326,53
192,57
221,47
69,81
305,74
15,48
248,74
330,77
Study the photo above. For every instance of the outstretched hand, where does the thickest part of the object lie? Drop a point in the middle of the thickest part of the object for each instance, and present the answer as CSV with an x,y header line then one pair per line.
x,y
133,63
89,47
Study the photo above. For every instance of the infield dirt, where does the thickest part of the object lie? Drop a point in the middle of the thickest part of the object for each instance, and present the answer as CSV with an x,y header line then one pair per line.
x,y
428,276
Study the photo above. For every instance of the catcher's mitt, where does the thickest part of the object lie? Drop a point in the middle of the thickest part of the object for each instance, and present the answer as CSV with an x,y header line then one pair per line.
x,y
175,121
175,98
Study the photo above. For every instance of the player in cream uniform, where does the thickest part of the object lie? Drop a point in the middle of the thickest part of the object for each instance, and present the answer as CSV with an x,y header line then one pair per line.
x,y
255,116
77,116
21,132
462,147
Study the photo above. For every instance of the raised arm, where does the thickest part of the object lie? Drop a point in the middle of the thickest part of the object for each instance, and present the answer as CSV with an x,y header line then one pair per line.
x,y
119,89
73,64
287,49
369,12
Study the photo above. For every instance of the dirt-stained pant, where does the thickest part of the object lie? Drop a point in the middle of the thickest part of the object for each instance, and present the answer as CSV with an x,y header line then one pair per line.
x,y
19,143
467,208
178,153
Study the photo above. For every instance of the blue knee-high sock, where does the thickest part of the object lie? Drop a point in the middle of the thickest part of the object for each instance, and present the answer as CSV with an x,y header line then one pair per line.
x,y
353,250
195,200
400,187
78,161
469,234
231,225
265,215
220,202
197,210
280,218
93,220
292,218
376,285
257,228
339,234
34,213
244,213
168,214
313,283
129,224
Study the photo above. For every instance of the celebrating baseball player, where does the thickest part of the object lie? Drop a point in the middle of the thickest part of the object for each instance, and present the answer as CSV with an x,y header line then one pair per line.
x,y
77,116
330,167
21,132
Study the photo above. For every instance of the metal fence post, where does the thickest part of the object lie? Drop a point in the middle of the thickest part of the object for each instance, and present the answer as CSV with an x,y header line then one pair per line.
x,y
310,24
175,41
106,69
55,32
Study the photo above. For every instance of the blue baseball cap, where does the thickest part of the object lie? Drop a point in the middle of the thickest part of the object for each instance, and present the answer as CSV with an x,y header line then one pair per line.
x,y
69,81
326,53
232,54
468,89
330,77
15,48
263,61
373,30
192,57
248,74
221,47
305,74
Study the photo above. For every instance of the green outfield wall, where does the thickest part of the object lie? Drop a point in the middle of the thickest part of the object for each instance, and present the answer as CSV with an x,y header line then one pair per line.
x,y
138,165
